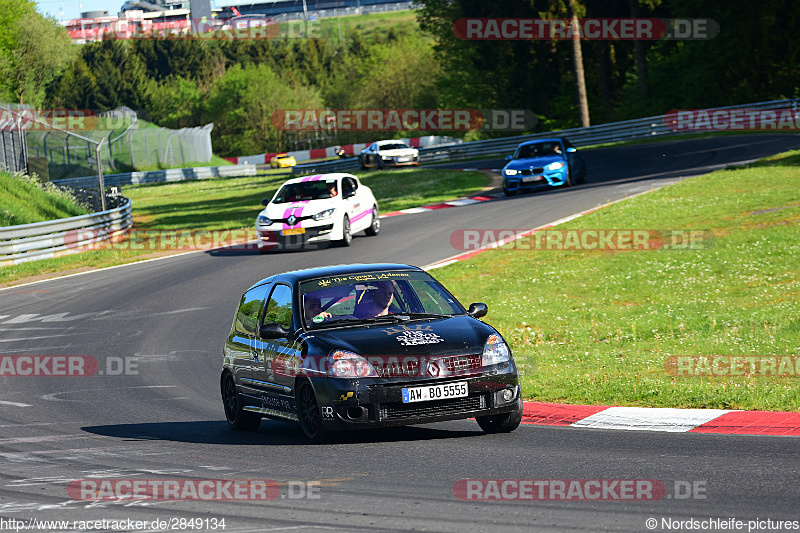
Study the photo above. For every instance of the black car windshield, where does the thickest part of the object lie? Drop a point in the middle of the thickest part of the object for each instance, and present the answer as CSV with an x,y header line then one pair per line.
x,y
392,146
538,150
306,190
352,299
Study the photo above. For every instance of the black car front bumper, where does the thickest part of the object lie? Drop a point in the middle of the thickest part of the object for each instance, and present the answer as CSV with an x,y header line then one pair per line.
x,y
369,403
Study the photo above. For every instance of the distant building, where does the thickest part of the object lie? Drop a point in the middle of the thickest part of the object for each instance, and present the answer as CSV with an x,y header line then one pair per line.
x,y
138,18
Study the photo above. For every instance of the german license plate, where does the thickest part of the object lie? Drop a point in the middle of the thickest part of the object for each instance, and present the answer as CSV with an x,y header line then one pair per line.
x,y
528,179
435,392
293,231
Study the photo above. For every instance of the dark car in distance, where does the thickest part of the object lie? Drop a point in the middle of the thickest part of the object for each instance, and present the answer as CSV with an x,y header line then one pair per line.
x,y
364,346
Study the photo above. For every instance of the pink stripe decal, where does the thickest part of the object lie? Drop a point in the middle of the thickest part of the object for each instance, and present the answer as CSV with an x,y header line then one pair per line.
x,y
361,215
295,209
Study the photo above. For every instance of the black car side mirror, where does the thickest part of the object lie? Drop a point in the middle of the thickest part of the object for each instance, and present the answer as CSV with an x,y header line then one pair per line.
x,y
273,330
478,310
265,201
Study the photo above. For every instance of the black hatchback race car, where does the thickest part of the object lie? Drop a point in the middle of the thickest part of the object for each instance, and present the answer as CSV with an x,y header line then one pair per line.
x,y
364,346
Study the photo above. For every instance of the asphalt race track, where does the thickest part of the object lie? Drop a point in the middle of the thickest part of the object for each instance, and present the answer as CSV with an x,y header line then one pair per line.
x,y
163,418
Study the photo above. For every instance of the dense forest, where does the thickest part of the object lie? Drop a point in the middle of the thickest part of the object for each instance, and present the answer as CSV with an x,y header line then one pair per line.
x,y
417,61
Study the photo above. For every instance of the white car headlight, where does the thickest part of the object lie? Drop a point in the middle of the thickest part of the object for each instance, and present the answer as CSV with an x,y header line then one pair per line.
x,y
495,351
263,221
510,172
343,364
322,215
555,166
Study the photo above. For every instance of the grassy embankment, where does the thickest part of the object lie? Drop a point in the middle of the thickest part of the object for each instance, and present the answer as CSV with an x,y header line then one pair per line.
x,y
231,204
599,327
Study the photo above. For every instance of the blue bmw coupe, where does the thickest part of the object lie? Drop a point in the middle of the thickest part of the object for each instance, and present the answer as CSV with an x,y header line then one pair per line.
x,y
541,164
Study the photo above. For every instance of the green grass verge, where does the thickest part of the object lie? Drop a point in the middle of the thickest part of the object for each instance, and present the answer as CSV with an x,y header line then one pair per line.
x,y
23,200
598,327
223,204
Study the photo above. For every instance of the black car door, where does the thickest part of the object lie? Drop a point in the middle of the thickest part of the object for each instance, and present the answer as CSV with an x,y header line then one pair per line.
x,y
240,343
270,375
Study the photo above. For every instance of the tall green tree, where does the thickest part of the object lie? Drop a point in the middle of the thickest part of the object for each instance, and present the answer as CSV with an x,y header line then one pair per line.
x,y
33,51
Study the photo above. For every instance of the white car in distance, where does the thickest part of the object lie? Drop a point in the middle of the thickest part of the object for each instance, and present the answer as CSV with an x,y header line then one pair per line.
x,y
314,211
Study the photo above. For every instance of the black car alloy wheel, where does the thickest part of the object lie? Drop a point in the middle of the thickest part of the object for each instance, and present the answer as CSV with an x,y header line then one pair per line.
x,y
308,412
238,418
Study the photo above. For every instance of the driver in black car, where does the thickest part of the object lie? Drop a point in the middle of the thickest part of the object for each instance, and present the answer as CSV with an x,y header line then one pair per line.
x,y
378,304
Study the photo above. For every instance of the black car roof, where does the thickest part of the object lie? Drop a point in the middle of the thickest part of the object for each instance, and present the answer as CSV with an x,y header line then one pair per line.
x,y
335,270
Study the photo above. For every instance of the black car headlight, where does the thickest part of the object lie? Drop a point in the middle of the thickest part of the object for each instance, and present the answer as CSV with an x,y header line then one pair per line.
x,y
495,351
344,364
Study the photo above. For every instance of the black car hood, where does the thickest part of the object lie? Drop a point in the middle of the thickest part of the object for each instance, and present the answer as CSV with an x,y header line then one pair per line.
x,y
458,335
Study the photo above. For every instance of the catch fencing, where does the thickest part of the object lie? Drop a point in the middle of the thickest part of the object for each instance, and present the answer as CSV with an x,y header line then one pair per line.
x,y
116,141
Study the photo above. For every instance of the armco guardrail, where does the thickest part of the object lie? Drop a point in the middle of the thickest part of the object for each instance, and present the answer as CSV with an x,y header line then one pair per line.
x,y
641,128
341,165
42,240
159,176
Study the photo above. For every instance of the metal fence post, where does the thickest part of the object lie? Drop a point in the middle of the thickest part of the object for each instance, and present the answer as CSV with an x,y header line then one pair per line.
x,y
100,176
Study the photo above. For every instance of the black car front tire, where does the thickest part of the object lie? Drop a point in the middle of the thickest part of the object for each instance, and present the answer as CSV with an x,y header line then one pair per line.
x,y
309,414
238,418
503,423
363,161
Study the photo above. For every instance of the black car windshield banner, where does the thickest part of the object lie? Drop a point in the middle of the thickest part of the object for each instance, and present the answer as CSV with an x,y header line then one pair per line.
x,y
363,277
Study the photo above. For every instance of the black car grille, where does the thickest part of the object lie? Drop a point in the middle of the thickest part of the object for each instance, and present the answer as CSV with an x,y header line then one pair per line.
x,y
462,363
399,410
531,172
400,367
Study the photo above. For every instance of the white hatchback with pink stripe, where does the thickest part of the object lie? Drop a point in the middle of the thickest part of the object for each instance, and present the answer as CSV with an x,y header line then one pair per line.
x,y
314,211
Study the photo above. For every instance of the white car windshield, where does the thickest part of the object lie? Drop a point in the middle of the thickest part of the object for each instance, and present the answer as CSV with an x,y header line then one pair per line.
x,y
392,146
306,190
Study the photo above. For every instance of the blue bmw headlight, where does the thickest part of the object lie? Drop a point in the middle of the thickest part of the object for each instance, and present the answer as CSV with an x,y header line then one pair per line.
x,y
263,221
555,166
510,172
